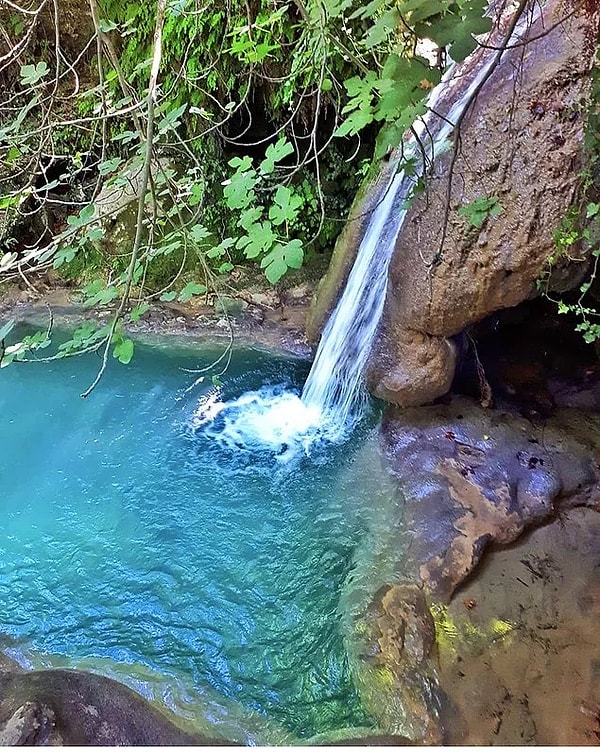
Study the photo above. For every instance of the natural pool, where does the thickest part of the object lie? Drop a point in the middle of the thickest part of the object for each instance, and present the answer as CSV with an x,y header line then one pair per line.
x,y
134,543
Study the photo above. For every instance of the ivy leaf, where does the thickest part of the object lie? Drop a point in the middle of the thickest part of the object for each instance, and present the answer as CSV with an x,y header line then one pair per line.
x,y
124,351
191,289
286,206
282,257
259,239
275,153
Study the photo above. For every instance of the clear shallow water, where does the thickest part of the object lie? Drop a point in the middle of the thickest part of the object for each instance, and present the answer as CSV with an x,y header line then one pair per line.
x,y
130,534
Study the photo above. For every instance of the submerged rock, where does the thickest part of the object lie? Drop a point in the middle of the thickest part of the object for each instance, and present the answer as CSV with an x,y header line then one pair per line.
x,y
468,480
65,707
472,477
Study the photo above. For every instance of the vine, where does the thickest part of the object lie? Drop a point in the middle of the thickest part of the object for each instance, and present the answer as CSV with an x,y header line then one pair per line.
x,y
234,150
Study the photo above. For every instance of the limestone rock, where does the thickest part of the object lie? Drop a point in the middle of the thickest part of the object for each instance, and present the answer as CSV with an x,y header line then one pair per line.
x,y
473,477
415,368
64,707
520,141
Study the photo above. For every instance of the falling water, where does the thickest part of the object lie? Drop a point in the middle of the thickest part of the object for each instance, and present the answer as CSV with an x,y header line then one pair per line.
x,y
334,387
334,396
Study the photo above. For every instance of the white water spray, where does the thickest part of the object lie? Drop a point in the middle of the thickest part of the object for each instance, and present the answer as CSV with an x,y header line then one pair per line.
x,y
335,383
333,398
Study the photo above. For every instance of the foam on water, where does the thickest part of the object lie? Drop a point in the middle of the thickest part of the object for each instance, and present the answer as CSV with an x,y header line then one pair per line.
x,y
271,418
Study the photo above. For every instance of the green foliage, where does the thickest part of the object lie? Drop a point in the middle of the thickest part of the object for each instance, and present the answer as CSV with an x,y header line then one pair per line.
x,y
479,210
573,235
578,235
266,118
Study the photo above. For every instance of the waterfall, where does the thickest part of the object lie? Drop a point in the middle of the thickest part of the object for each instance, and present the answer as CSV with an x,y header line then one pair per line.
x,y
335,387
333,397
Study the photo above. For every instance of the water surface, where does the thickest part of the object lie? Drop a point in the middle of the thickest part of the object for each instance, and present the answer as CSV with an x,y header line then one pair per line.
x,y
131,537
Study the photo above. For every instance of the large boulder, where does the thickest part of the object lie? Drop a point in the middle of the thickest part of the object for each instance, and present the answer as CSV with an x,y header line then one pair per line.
x,y
64,707
521,143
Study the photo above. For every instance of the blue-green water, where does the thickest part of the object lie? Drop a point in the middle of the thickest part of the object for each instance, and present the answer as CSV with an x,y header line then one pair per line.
x,y
130,537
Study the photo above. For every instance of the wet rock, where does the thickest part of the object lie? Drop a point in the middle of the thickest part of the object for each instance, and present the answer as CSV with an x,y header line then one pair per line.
x,y
391,644
473,477
63,707
415,365
446,273
31,725
225,305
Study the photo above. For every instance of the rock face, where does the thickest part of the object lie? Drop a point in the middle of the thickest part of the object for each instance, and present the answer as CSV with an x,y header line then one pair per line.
x,y
520,147
520,143
63,707
473,477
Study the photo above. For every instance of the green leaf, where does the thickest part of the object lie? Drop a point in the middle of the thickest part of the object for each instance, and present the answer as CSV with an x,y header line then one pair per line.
x,y
275,153
199,233
355,122
221,249
285,207
167,297
64,256
107,26
31,74
171,119
240,164
109,165
259,239
98,293
191,289
382,28
84,216
250,217
138,311
282,256
239,189
477,211
123,351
